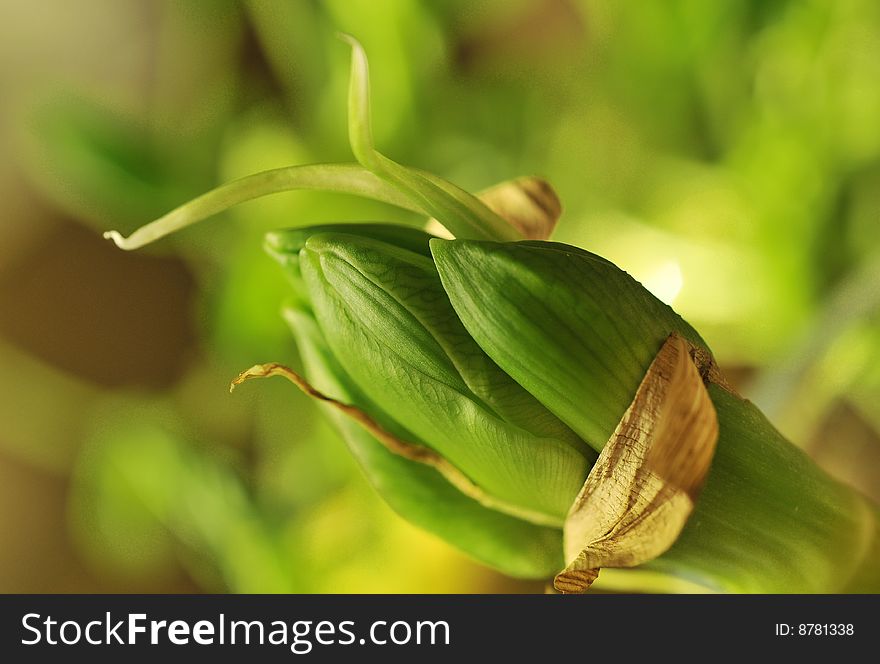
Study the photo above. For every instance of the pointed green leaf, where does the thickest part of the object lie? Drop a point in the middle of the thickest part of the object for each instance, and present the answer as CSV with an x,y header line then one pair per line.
x,y
412,281
284,245
574,330
396,359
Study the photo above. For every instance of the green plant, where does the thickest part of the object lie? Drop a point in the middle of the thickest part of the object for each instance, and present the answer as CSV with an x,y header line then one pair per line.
x,y
489,385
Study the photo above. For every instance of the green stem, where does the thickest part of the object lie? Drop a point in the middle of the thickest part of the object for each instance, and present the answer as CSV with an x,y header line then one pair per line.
x,y
341,178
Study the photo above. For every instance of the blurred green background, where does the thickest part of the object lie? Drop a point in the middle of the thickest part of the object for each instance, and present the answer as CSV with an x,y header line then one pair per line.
x,y
726,153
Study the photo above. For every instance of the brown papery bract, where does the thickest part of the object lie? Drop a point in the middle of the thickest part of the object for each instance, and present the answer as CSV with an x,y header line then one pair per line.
x,y
529,204
644,485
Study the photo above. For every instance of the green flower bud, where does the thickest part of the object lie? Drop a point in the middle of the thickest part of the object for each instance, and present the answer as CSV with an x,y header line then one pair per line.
x,y
476,380
513,360
383,312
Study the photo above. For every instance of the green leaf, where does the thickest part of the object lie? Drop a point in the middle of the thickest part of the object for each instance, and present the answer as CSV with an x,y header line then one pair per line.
x,y
570,327
417,492
284,245
413,282
393,357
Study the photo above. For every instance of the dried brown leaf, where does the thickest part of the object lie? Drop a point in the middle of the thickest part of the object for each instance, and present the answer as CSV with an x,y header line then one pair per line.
x,y
528,203
643,487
